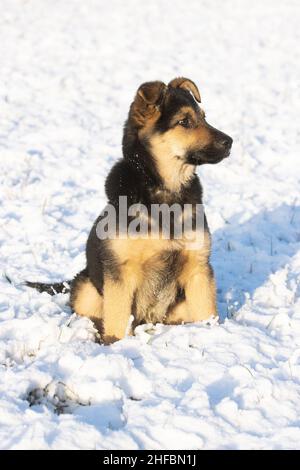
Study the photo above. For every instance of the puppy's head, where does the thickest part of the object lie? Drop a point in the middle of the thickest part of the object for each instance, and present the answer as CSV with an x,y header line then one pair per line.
x,y
171,124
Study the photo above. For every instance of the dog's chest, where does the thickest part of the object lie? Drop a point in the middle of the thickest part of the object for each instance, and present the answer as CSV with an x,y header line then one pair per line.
x,y
143,251
146,253
154,267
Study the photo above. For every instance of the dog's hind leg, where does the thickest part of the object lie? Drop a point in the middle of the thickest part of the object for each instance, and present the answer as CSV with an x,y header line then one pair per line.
x,y
86,300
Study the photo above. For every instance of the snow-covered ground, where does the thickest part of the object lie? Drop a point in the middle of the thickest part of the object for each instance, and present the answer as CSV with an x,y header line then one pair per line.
x,y
69,70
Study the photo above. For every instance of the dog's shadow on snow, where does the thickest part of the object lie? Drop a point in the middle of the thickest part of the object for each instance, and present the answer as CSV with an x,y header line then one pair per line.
x,y
245,254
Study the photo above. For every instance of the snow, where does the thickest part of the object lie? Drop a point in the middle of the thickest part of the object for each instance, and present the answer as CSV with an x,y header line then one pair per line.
x,y
69,70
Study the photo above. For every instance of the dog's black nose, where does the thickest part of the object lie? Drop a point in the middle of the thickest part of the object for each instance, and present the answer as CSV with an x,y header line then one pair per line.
x,y
226,142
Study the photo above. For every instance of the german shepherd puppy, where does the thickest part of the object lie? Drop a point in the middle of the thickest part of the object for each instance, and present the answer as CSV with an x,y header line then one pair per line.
x,y
165,138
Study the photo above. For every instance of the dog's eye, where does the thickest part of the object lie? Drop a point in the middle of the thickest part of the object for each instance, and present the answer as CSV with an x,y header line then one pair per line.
x,y
184,122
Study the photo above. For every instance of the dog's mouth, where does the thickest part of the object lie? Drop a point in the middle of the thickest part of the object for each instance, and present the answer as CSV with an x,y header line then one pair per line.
x,y
213,153
209,156
225,155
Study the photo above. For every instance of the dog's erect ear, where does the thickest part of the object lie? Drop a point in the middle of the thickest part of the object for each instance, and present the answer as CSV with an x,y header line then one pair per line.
x,y
186,84
147,101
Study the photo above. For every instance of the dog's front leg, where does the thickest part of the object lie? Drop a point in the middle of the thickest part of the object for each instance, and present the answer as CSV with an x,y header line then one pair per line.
x,y
117,302
200,296
200,293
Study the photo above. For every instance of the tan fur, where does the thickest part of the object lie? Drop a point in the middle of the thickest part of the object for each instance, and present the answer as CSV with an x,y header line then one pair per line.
x,y
200,292
184,111
117,304
147,130
142,270
170,148
89,303
200,303
138,251
178,314
186,84
144,106
153,298
177,140
174,171
198,282
142,263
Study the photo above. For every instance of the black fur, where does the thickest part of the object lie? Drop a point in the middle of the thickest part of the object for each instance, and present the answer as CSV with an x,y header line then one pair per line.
x,y
177,98
52,289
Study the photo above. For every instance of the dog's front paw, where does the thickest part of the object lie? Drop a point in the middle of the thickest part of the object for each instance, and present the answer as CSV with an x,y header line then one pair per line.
x,y
107,339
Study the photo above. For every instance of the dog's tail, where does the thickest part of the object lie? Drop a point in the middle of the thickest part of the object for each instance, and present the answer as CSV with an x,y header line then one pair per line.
x,y
51,288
